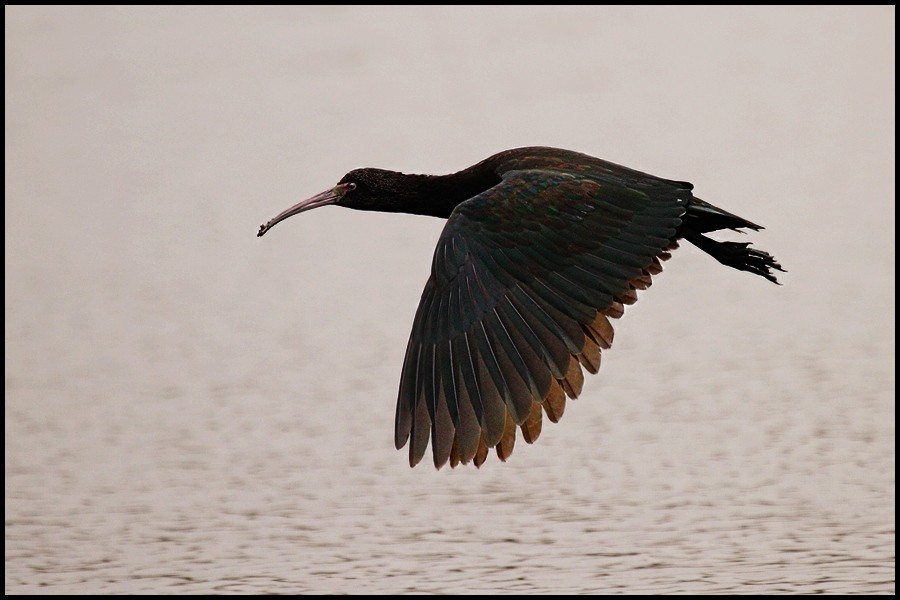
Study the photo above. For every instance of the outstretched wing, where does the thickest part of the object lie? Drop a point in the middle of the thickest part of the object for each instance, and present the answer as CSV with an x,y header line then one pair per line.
x,y
524,281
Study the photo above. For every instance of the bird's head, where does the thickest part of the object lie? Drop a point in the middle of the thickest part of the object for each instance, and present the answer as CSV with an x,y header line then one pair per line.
x,y
362,189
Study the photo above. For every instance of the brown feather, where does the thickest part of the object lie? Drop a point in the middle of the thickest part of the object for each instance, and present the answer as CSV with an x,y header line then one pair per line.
x,y
420,434
629,297
443,431
642,282
454,455
482,452
508,441
590,354
574,379
614,310
494,410
531,428
601,331
555,402
468,431
654,268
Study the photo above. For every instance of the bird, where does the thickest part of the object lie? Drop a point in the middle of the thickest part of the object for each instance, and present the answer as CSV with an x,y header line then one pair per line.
x,y
541,249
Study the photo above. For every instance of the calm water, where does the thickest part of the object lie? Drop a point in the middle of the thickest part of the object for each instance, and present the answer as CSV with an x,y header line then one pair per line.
x,y
190,409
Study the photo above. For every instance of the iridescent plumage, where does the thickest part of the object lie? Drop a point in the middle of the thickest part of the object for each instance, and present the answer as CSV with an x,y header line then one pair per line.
x,y
542,247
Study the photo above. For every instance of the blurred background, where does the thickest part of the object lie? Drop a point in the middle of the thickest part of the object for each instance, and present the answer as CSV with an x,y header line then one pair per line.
x,y
190,409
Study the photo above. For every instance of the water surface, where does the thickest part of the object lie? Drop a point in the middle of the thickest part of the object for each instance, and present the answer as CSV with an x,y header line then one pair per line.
x,y
190,409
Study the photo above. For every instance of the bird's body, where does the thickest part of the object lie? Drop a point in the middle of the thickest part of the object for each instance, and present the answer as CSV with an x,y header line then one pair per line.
x,y
542,247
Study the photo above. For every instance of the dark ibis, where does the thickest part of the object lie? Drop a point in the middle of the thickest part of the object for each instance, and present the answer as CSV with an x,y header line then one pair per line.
x,y
541,249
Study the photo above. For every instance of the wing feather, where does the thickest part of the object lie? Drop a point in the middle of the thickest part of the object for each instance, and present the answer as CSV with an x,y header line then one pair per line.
x,y
525,279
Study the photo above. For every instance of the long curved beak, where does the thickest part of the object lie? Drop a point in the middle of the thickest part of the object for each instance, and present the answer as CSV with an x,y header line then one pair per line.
x,y
331,196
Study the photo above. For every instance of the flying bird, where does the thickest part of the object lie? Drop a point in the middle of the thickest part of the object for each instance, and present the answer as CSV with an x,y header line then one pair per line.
x,y
541,249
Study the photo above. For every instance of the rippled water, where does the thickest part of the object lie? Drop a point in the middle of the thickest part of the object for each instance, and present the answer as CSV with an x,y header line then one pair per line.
x,y
190,409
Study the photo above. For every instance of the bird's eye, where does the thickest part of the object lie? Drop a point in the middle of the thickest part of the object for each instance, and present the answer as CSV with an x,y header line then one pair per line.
x,y
351,187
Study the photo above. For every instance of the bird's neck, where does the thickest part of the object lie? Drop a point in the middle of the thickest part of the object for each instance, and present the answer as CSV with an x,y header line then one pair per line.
x,y
438,195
